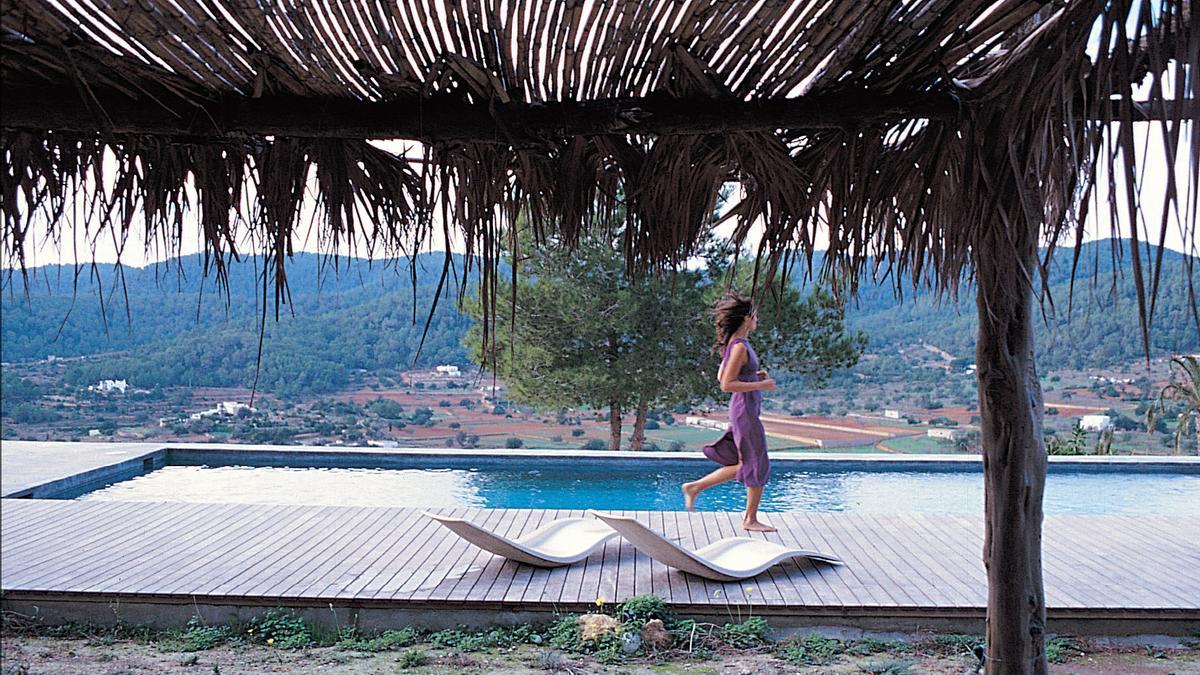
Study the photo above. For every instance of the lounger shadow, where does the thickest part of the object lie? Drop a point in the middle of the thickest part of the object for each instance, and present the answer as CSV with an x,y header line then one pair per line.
x,y
555,544
725,560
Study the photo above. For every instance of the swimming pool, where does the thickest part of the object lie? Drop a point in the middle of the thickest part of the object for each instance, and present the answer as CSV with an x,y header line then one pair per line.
x,y
637,484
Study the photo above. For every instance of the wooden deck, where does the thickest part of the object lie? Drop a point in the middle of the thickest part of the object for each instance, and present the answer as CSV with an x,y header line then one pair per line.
x,y
901,565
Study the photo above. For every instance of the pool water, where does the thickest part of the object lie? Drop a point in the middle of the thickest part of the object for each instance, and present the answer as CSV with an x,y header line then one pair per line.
x,y
640,485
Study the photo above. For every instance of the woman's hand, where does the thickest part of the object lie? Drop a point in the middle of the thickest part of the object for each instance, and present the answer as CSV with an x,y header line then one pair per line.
x,y
767,384
762,375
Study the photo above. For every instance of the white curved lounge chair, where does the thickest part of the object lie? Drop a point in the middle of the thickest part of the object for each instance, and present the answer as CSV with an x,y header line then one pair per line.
x,y
555,544
729,559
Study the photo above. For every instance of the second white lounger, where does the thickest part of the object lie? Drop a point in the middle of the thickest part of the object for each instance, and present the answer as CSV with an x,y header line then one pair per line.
x,y
725,560
555,544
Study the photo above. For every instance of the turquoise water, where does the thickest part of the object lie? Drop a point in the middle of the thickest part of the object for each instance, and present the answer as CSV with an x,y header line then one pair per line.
x,y
644,485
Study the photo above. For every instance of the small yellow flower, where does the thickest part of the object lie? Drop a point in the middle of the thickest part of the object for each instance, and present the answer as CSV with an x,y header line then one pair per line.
x,y
749,590
270,641
250,631
600,601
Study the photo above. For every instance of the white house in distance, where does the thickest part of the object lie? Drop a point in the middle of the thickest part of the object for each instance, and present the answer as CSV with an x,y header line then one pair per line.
x,y
946,433
109,386
1095,422
892,414
448,371
223,408
704,422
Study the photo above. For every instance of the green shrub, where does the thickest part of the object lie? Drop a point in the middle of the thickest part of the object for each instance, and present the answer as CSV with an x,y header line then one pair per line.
x,y
577,432
390,640
196,637
281,629
513,443
564,633
753,632
642,608
869,645
466,640
413,658
812,650
1059,649
595,444
955,643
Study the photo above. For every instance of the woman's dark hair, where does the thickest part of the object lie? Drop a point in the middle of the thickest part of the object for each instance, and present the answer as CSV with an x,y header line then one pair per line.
x,y
730,312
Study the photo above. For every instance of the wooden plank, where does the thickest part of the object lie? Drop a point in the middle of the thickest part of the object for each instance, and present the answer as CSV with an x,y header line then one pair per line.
x,y
127,560
843,580
279,553
195,552
253,557
773,586
478,559
414,569
1063,567
507,569
882,579
663,583
807,578
523,574
466,560
22,520
404,542
1127,577
1098,562
366,552
903,573
606,578
321,571
626,572
1053,567
950,548
113,543
711,591
63,526
512,521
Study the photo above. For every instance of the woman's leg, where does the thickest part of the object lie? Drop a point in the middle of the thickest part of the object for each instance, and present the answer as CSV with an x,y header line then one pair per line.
x,y
721,475
751,524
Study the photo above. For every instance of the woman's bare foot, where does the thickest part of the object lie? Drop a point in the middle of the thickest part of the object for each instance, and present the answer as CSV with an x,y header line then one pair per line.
x,y
755,526
689,496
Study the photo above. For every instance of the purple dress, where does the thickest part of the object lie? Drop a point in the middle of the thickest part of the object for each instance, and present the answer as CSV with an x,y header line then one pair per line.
x,y
745,440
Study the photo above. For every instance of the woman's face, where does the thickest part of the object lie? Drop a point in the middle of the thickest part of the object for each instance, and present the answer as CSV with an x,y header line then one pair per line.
x,y
752,321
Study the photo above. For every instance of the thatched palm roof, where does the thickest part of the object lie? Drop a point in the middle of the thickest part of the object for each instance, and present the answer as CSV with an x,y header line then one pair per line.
x,y
872,119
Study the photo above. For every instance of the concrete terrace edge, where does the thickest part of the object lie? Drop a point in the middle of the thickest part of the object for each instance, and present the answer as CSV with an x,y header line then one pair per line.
x,y
173,611
194,453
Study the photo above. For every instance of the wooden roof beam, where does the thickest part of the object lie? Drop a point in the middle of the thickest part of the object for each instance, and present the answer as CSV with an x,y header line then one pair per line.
x,y
446,120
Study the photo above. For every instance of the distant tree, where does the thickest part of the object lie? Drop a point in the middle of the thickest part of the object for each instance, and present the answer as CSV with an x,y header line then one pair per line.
x,y
1184,391
586,333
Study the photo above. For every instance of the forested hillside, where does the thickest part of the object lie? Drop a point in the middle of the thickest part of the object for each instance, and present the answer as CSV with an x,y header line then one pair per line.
x,y
1101,328
180,330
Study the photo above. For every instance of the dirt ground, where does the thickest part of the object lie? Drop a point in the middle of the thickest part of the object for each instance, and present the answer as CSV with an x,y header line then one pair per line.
x,y
20,655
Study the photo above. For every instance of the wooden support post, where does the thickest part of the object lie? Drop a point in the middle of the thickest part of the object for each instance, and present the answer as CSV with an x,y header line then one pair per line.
x,y
1014,453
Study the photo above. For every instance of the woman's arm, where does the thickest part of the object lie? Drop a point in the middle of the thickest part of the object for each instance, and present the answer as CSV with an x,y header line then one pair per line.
x,y
727,376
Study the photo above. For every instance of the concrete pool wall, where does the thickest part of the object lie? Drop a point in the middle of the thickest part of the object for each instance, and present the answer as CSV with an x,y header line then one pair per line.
x,y
51,470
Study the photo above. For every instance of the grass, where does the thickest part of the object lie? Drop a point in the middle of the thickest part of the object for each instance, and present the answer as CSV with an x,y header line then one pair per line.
x,y
920,445
853,449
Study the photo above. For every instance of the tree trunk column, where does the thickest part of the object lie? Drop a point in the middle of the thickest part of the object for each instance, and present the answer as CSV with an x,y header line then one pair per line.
x,y
1014,454
614,426
638,442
